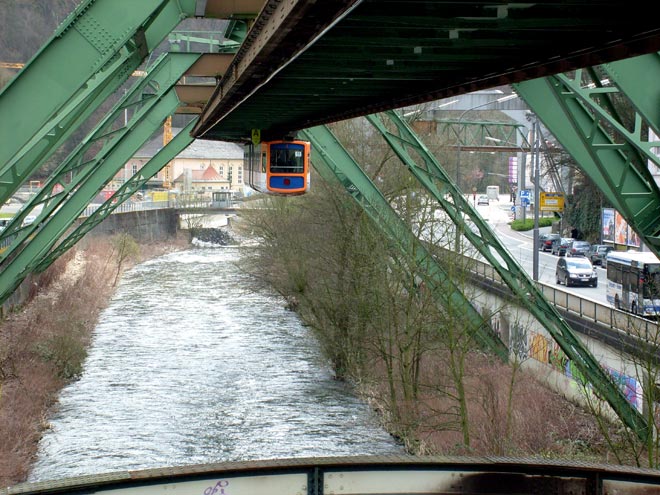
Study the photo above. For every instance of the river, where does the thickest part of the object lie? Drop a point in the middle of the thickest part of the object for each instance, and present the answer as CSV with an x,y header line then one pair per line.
x,y
192,362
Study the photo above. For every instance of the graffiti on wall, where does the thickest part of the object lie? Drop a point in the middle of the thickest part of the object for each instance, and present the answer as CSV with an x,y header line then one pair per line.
x,y
548,352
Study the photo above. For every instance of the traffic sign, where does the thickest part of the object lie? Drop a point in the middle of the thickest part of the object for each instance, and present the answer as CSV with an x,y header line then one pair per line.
x,y
551,201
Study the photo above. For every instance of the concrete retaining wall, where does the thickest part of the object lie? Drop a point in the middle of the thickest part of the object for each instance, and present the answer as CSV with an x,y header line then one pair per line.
x,y
144,225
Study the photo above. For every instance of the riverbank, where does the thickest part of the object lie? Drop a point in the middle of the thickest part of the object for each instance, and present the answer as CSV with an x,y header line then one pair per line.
x,y
44,343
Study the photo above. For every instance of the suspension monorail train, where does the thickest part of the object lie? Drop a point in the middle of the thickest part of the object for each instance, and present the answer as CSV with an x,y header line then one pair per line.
x,y
278,167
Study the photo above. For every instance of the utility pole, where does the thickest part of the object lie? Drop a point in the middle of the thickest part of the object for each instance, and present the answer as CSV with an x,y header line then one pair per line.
x,y
537,195
522,185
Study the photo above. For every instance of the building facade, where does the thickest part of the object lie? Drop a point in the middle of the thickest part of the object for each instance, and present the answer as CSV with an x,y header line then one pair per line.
x,y
204,166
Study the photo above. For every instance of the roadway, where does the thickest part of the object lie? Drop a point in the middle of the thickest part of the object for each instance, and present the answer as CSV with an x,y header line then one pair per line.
x,y
521,247
519,244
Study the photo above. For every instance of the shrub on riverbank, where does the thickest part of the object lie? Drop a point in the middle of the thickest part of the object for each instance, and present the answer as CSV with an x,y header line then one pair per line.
x,y
412,358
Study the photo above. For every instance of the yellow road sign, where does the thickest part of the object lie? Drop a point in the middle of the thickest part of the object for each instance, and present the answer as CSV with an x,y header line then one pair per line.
x,y
551,201
256,136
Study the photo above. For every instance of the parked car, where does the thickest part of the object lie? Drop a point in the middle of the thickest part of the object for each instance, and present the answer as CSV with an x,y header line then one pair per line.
x,y
598,254
546,241
576,271
483,200
560,246
578,248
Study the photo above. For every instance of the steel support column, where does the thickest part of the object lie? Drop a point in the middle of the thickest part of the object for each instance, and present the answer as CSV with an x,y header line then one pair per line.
x,y
333,162
58,215
94,50
437,182
151,168
75,169
60,127
631,76
584,120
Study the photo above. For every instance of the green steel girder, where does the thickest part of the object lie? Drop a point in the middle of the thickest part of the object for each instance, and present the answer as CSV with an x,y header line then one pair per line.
x,y
332,161
163,75
96,47
615,158
236,30
215,45
631,76
151,168
438,183
483,134
48,231
53,133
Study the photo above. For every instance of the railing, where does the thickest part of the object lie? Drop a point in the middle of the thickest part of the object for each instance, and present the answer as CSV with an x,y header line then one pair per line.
x,y
187,203
130,206
602,314
395,475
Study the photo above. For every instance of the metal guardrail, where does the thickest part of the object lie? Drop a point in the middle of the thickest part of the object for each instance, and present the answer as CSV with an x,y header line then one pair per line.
x,y
200,203
395,475
603,314
130,206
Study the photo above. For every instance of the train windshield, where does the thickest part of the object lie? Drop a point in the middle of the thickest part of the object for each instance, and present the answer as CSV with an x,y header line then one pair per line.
x,y
287,158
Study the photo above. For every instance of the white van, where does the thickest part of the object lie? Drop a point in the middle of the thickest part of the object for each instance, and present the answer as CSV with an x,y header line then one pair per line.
x,y
493,192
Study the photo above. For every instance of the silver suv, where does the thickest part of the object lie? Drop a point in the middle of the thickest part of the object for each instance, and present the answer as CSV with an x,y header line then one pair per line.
x,y
576,272
578,248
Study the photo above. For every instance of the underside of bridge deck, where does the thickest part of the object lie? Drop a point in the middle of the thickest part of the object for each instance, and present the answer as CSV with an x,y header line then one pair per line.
x,y
309,63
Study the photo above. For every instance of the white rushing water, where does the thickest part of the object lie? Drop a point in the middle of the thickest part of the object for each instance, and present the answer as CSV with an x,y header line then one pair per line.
x,y
189,364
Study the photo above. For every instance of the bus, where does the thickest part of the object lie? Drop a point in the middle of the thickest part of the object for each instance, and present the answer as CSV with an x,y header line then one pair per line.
x,y
633,282
278,167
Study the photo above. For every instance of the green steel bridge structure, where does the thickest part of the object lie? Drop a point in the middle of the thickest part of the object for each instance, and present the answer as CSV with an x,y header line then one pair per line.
x,y
287,67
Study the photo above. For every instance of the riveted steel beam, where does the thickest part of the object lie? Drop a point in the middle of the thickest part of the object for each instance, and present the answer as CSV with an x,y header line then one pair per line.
x,y
88,177
91,54
132,185
75,169
55,131
333,162
430,174
479,135
614,155
631,76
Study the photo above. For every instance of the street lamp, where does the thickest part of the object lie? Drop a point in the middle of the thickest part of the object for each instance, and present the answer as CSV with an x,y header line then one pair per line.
x,y
535,150
537,195
434,107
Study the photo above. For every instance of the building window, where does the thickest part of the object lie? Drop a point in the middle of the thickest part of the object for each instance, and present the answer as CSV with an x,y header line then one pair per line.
x,y
135,168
